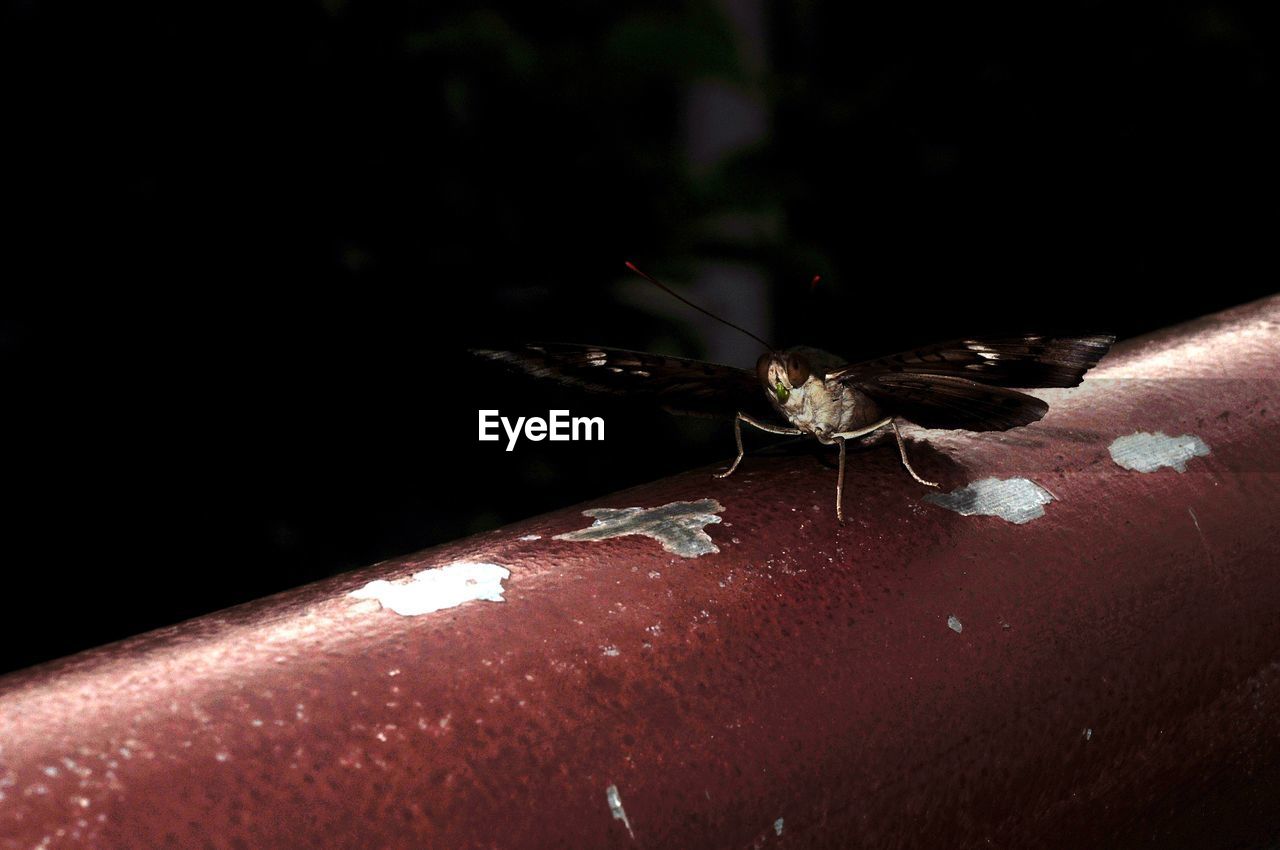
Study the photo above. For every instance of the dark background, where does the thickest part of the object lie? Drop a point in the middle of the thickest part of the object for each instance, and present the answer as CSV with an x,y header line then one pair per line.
x,y
248,246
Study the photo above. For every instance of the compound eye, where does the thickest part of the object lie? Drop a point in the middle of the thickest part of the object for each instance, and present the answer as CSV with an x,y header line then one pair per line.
x,y
762,368
797,369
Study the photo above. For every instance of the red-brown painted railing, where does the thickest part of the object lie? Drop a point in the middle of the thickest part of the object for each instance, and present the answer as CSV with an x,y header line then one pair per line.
x,y
1104,672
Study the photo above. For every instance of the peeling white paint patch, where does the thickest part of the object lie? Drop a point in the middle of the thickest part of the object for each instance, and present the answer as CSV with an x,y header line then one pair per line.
x,y
615,806
1016,500
777,827
954,624
1146,452
610,650
438,588
528,537
678,526
1088,734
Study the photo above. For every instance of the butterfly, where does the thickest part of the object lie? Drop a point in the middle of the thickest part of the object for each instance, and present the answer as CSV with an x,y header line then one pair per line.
x,y
966,385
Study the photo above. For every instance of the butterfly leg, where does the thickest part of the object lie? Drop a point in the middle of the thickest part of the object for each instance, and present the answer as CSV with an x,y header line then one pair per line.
x,y
839,440
737,436
862,432
840,482
902,450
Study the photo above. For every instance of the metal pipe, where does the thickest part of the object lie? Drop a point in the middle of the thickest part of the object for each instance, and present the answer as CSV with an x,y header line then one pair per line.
x,y
1075,644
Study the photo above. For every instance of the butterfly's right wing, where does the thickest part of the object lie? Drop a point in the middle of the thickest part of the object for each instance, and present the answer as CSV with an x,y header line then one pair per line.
x,y
676,384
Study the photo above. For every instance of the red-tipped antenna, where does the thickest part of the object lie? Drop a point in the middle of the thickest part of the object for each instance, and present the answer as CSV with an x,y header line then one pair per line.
x,y
705,312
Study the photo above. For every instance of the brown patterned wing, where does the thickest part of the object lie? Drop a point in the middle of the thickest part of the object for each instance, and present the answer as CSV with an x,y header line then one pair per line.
x,y
944,401
1031,360
676,384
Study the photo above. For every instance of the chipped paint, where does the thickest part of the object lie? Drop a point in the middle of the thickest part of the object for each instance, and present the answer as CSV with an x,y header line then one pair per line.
x,y
1016,500
954,624
615,806
529,537
1146,452
1204,541
777,826
438,588
1088,735
678,526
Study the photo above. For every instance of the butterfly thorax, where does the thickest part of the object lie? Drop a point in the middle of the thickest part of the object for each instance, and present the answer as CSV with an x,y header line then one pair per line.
x,y
822,407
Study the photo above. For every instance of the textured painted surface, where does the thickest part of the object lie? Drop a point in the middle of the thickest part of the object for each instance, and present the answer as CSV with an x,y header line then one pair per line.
x,y
1016,500
1116,682
1143,452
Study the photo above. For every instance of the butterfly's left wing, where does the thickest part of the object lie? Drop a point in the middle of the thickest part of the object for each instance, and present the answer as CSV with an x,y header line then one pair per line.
x,y
965,384
1030,360
676,384
943,401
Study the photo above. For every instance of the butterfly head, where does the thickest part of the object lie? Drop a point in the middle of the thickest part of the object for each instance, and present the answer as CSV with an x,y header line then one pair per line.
x,y
783,376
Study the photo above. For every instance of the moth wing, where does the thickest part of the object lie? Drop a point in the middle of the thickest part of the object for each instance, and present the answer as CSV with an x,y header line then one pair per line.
x,y
676,384
945,401
1030,360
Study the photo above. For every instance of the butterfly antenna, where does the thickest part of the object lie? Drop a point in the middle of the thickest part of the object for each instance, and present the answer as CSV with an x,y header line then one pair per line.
x,y
705,312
